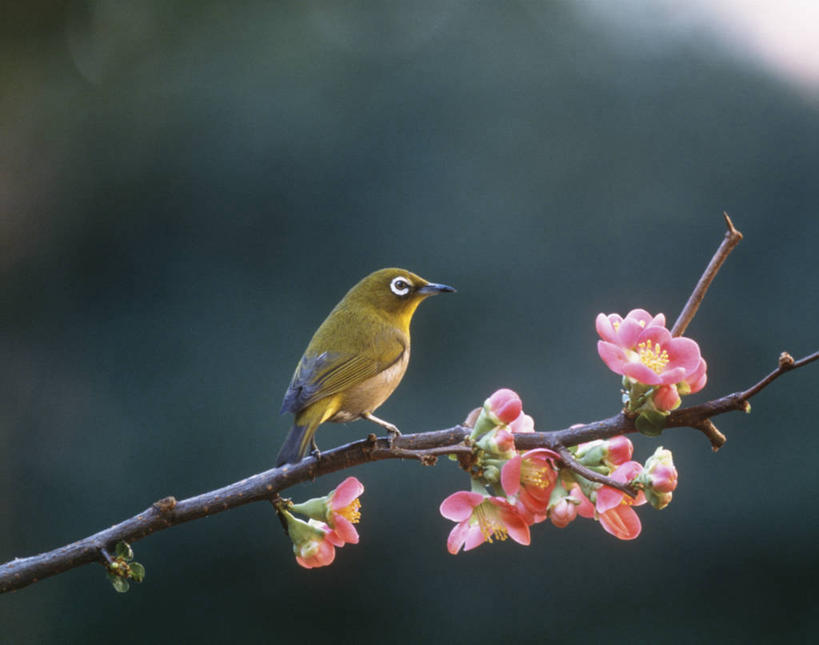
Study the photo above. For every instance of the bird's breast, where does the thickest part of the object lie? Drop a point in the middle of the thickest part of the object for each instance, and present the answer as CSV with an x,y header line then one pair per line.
x,y
369,394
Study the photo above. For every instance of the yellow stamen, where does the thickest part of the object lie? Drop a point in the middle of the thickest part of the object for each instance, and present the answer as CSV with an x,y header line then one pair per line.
x,y
654,357
489,523
351,511
534,475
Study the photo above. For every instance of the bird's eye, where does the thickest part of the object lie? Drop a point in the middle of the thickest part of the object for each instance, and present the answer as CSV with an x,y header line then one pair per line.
x,y
400,286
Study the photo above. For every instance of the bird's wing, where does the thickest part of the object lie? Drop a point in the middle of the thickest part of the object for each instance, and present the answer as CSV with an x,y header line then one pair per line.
x,y
329,373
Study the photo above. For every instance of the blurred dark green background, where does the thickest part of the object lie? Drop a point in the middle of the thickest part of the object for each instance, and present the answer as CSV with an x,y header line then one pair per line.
x,y
186,189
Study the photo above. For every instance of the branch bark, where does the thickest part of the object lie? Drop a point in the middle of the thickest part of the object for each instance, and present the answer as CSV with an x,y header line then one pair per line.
x,y
424,446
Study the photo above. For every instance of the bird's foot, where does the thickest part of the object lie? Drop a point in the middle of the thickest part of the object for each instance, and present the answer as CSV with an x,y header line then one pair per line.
x,y
391,429
315,452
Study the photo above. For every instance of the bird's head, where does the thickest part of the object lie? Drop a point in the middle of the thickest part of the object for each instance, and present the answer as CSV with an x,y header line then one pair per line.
x,y
394,292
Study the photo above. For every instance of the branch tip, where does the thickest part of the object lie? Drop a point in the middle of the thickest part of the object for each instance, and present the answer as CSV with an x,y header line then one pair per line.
x,y
732,231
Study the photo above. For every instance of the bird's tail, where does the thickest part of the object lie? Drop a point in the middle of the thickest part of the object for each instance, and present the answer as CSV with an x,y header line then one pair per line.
x,y
295,445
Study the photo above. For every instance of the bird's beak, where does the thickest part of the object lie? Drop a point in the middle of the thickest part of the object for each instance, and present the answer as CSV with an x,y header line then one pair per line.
x,y
433,288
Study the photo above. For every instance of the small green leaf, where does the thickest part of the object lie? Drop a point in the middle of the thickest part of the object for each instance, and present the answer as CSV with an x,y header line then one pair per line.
x,y
137,572
120,584
124,550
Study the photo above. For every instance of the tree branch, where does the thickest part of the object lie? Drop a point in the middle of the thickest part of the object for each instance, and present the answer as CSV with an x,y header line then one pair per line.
x,y
424,446
731,239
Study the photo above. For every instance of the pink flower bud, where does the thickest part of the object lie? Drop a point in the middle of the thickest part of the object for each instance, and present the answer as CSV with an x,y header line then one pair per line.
x,y
660,471
505,405
619,450
563,513
667,398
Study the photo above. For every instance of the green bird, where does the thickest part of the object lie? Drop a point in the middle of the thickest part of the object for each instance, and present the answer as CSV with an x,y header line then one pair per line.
x,y
356,358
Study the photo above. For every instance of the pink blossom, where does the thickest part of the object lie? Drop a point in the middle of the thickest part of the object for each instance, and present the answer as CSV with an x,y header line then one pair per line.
x,y
480,518
504,404
644,350
619,450
563,513
344,509
531,476
318,551
523,423
624,332
659,478
314,543
613,506
667,398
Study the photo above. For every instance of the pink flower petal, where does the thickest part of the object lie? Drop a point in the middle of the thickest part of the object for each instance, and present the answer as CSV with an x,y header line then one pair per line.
x,y
627,471
458,506
655,335
641,373
510,475
608,498
605,326
456,537
585,508
345,529
517,527
474,537
683,352
346,492
699,378
622,522
524,423
629,332
612,355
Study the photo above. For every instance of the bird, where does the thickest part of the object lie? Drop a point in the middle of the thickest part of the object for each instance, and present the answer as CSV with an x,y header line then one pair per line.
x,y
355,359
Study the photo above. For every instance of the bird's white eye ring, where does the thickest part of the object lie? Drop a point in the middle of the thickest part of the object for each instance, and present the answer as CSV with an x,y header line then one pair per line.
x,y
400,286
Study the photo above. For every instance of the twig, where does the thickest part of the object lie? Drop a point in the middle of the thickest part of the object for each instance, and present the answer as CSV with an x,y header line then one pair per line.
x,y
572,464
731,239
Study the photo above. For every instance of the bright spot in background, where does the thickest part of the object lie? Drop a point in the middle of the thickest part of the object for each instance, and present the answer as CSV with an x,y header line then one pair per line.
x,y
780,35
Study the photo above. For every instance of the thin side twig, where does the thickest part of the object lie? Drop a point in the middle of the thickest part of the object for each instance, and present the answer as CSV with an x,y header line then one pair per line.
x,y
731,239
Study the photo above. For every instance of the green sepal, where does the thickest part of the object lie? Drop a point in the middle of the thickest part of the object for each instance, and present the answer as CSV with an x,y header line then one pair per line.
x,y
137,572
651,422
123,550
483,424
316,508
120,584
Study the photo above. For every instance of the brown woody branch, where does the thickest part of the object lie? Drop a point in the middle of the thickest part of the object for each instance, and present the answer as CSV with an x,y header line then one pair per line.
x,y
425,447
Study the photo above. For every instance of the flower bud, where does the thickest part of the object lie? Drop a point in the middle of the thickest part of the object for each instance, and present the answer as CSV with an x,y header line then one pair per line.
x,y
662,474
667,398
619,450
501,408
500,443
563,513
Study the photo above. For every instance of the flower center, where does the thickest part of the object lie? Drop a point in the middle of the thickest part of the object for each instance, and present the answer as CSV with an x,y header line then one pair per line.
x,y
653,356
489,522
532,474
351,511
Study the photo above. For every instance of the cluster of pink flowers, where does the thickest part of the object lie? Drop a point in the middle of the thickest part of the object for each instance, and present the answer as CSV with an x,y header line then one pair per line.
x,y
657,368
330,524
511,490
